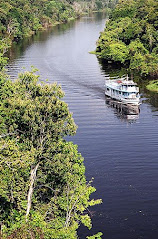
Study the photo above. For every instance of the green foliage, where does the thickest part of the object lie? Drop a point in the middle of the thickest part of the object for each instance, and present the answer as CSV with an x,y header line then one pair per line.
x,y
137,46
24,18
34,121
96,236
19,18
3,61
131,36
44,193
153,86
4,45
99,4
118,52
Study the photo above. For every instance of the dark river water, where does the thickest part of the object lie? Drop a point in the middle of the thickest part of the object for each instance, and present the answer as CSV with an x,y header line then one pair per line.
x,y
120,151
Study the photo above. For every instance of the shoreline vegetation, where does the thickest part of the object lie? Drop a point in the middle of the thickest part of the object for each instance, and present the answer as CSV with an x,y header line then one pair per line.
x,y
130,37
153,86
19,19
44,193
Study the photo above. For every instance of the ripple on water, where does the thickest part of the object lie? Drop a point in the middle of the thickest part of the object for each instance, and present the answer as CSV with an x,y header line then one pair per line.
x,y
121,154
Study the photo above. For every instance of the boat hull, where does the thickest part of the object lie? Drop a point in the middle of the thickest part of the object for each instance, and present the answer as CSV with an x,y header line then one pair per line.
x,y
134,101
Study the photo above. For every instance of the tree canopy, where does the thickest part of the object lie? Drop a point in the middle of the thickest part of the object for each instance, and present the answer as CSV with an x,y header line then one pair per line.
x,y
131,36
20,18
43,193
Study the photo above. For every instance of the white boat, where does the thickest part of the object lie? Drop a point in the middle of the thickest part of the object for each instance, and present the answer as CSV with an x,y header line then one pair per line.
x,y
123,90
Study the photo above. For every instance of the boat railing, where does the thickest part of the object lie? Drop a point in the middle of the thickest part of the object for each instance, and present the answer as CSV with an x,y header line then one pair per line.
x,y
116,77
122,88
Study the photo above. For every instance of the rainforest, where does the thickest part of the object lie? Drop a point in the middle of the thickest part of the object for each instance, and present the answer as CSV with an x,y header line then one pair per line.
x,y
44,192
131,36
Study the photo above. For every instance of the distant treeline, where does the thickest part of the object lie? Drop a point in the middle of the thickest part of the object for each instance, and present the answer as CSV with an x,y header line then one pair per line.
x,y
22,18
43,189
19,19
131,36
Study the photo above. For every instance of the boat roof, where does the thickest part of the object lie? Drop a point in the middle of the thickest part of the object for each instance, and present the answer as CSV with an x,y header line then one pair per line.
x,y
121,82
116,83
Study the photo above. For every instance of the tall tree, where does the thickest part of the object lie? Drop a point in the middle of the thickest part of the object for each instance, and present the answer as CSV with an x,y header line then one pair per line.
x,y
44,189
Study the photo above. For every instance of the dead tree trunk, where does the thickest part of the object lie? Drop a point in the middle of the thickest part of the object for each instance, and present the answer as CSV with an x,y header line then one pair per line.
x,y
31,188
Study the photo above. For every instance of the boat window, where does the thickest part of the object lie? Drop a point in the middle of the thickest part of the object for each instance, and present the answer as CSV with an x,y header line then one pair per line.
x,y
108,89
125,93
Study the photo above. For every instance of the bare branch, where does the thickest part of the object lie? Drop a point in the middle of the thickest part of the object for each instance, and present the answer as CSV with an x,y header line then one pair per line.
x,y
30,193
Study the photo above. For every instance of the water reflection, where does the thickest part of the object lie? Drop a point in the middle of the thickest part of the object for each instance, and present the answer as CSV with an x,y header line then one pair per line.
x,y
112,70
18,48
125,112
117,71
123,160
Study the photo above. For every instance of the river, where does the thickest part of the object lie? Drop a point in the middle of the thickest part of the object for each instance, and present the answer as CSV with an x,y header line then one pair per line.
x,y
120,152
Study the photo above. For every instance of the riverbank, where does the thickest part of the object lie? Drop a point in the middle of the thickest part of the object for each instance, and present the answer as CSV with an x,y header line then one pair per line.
x,y
153,86
38,223
19,20
23,20
130,37
117,150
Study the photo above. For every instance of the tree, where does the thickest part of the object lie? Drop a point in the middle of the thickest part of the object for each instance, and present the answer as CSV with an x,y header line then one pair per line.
x,y
44,189
4,45
131,37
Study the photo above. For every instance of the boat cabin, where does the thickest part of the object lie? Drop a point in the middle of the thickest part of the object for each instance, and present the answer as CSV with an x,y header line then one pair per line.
x,y
123,90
